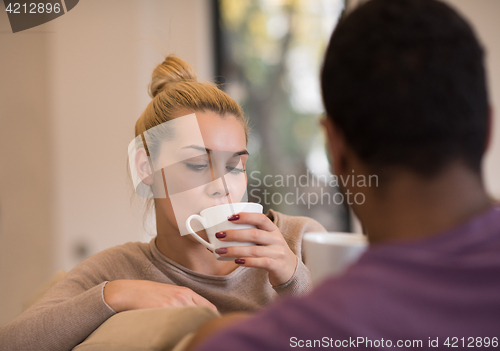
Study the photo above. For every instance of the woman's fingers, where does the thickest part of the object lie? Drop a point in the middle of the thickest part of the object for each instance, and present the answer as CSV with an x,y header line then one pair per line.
x,y
259,220
201,301
182,296
252,235
279,273
272,252
258,262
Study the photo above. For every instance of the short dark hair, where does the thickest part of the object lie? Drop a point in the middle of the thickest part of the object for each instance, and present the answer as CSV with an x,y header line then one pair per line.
x,y
404,81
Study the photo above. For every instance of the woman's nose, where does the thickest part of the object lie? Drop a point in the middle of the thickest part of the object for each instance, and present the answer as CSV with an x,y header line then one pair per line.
x,y
217,187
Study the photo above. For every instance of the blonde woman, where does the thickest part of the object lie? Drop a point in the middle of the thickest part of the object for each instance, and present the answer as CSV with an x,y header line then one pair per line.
x,y
174,269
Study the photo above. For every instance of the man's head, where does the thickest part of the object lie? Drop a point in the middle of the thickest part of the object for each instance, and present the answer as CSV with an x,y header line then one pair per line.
x,y
404,84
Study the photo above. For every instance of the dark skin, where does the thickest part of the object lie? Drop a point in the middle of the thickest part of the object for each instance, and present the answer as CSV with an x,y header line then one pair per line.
x,y
437,204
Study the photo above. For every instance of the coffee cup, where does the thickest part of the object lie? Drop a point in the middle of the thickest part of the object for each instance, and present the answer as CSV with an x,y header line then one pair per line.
x,y
214,219
330,254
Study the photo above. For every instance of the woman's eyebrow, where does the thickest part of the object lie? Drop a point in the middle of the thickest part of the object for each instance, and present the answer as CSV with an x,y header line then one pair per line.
x,y
196,147
201,148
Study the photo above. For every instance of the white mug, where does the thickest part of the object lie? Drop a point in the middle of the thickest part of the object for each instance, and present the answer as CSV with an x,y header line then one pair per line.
x,y
329,254
214,219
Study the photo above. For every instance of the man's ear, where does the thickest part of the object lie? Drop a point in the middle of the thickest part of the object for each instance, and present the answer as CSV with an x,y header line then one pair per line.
x,y
143,167
489,129
336,147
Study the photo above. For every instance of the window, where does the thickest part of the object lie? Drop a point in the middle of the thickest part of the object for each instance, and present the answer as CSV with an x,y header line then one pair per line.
x,y
268,58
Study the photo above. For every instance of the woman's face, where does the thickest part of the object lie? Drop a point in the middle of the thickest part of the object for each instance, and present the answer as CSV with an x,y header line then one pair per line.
x,y
202,166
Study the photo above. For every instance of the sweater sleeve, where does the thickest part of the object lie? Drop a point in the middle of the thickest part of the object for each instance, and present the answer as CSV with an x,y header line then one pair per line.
x,y
293,229
299,284
65,315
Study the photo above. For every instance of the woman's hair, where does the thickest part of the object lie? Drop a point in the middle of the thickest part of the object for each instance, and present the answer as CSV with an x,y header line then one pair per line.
x,y
176,92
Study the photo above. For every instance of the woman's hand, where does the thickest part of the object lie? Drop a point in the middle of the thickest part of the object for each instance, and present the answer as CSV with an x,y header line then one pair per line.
x,y
124,295
271,253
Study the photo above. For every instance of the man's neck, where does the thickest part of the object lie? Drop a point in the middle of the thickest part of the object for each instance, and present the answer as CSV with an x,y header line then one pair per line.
x,y
410,207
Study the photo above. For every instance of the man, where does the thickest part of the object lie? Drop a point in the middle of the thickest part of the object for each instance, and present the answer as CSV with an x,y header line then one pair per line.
x,y
404,89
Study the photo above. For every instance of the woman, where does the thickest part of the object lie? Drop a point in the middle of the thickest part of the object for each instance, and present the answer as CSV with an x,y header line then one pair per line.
x,y
186,129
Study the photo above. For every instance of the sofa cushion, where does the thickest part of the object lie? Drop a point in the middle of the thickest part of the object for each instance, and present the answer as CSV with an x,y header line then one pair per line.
x,y
154,329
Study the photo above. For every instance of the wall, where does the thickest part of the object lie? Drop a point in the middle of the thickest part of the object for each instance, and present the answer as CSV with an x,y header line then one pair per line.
x,y
26,166
71,91
102,63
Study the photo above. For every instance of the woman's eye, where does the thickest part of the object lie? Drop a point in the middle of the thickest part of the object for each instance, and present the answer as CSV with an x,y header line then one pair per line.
x,y
196,167
235,170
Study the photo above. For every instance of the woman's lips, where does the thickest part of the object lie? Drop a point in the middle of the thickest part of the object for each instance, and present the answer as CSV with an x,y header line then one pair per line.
x,y
212,205
218,204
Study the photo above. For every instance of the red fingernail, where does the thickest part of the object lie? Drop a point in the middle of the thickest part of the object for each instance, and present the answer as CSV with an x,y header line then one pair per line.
x,y
221,250
234,217
239,261
220,235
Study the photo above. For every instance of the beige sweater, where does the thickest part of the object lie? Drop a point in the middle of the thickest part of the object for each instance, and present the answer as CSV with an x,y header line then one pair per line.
x,y
75,306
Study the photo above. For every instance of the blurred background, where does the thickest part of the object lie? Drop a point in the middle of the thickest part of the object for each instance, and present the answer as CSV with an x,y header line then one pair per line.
x,y
72,89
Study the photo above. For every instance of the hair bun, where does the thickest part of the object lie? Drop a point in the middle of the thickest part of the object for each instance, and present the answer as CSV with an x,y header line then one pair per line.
x,y
172,70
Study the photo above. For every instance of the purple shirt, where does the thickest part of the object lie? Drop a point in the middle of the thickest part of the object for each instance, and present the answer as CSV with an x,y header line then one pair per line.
x,y
443,290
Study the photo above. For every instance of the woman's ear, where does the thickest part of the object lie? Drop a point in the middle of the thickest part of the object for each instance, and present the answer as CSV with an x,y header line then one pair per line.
x,y
143,167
